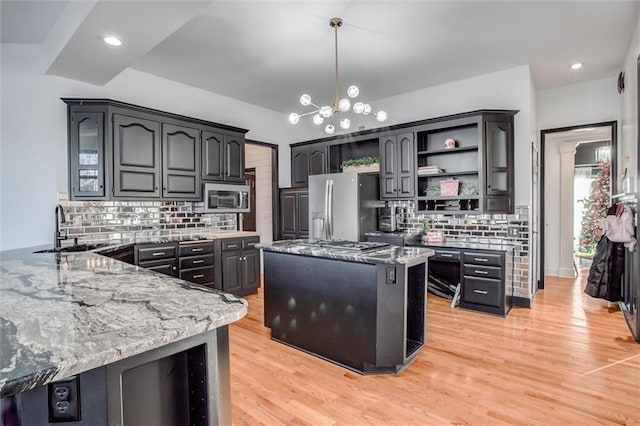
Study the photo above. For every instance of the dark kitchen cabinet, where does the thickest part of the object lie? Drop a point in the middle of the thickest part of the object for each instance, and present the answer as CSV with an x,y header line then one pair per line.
x,y
87,153
307,160
487,283
222,157
499,185
158,257
237,265
124,151
195,262
181,162
397,167
136,151
294,213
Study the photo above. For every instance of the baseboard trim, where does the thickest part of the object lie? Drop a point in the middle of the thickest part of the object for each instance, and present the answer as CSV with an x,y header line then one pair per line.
x,y
523,302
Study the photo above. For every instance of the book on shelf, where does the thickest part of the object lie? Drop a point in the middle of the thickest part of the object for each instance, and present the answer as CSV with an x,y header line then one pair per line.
x,y
429,170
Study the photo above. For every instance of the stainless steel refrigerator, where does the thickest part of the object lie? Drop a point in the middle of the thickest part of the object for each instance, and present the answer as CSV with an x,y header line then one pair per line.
x,y
342,206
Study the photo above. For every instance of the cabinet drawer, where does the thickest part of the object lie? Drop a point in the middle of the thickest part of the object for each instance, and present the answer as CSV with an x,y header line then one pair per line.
x,y
155,252
250,243
198,275
482,291
446,255
164,266
483,259
195,249
231,244
483,271
196,261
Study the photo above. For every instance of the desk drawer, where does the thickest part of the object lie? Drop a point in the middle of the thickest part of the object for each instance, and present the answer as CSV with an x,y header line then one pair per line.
x,y
482,291
198,275
483,271
446,255
483,259
196,261
195,249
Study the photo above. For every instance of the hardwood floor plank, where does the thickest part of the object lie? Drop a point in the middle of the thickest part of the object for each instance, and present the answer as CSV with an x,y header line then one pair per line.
x,y
568,360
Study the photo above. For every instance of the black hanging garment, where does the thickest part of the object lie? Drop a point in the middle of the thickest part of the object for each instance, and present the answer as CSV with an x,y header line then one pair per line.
x,y
605,275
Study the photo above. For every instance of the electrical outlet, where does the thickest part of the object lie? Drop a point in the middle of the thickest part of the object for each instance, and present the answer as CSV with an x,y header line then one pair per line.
x,y
64,400
513,232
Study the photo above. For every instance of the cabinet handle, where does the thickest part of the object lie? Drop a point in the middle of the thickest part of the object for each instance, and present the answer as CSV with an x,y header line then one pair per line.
x,y
480,291
195,262
173,268
158,253
481,272
198,276
228,162
232,246
193,250
446,255
480,259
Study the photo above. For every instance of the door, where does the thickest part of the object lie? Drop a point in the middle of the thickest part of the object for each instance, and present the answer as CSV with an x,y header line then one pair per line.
x,y
302,214
318,187
388,167
317,161
231,271
405,178
212,156
288,215
250,269
497,156
344,214
181,168
299,166
234,158
249,219
136,162
87,154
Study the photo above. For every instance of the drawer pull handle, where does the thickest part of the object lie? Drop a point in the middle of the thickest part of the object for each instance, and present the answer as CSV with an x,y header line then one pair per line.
x,y
480,291
251,245
480,259
198,276
197,261
158,253
446,255
196,249
232,246
481,272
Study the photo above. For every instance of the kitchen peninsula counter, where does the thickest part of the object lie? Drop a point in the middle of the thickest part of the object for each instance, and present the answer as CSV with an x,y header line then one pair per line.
x,y
62,314
363,310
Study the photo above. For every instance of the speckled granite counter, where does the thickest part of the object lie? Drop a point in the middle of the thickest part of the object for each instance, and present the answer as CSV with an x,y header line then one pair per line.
x,y
473,245
66,313
390,255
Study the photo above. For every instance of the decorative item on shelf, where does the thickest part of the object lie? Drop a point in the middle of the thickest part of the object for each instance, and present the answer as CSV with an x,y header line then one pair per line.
x,y
361,165
429,170
450,143
449,187
432,190
468,188
340,106
435,237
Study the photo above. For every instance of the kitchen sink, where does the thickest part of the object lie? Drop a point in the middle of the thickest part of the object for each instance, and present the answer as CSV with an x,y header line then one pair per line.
x,y
71,249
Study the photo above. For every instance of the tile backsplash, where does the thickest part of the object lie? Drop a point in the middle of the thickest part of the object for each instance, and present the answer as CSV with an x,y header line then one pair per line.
x,y
126,221
490,228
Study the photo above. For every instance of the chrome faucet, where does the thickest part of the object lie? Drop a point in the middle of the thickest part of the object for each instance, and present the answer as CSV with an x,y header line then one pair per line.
x,y
57,236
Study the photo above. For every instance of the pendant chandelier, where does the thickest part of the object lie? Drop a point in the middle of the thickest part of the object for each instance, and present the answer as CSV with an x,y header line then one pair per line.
x,y
340,106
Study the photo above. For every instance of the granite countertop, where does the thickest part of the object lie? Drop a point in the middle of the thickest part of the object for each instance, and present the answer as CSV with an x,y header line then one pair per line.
x,y
474,245
65,313
388,254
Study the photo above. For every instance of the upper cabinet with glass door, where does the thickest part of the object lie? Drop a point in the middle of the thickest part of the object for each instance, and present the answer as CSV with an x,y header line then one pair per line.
x,y
86,171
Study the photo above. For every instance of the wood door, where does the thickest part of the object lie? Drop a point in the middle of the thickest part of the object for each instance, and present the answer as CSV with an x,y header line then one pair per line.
x,y
212,156
302,205
181,165
86,145
406,169
231,271
250,269
136,163
317,161
299,167
388,164
288,222
234,159
249,219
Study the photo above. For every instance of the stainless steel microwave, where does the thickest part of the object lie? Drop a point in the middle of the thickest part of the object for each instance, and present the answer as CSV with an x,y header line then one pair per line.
x,y
225,198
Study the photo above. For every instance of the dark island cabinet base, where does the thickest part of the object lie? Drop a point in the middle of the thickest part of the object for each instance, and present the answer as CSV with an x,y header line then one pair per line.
x,y
365,317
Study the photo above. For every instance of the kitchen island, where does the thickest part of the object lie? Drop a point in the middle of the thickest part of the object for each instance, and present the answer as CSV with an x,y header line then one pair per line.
x,y
89,337
358,305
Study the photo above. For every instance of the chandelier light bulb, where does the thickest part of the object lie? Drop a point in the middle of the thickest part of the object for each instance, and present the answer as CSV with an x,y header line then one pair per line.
x,y
358,107
344,104
381,116
330,129
294,118
305,100
353,91
345,123
366,109
326,111
317,119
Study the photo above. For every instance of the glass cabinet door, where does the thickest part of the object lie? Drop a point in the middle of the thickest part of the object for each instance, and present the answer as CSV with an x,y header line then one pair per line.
x,y
87,154
497,155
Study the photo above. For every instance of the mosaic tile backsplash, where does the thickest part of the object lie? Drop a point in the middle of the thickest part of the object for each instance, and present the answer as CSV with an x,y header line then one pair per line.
x,y
128,221
490,228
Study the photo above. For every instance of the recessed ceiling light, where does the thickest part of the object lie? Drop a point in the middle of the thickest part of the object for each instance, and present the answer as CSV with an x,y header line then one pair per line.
x,y
112,41
576,66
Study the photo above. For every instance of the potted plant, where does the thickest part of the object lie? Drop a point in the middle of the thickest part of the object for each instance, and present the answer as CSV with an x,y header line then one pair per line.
x,y
361,165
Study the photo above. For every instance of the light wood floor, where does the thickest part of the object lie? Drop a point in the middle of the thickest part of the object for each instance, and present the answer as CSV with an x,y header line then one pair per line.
x,y
567,360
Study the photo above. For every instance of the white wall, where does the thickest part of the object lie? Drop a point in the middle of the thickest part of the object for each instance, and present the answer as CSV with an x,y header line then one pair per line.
x,y
259,157
33,152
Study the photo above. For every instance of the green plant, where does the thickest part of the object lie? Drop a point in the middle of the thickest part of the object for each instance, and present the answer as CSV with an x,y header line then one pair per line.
x,y
362,161
426,226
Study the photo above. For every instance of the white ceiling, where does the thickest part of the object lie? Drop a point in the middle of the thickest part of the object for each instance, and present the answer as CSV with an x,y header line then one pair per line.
x,y
267,53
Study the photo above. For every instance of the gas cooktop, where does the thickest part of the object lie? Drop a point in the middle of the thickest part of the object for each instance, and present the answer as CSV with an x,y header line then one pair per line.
x,y
348,245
